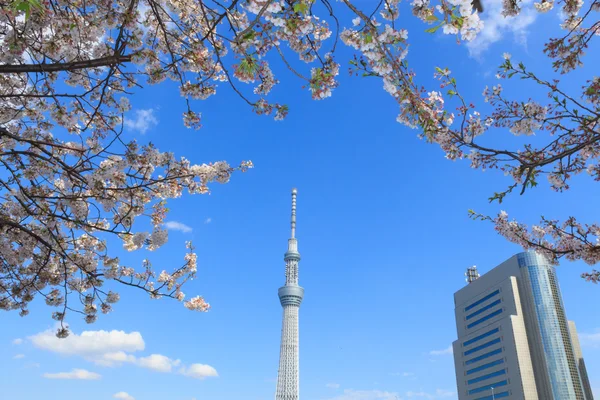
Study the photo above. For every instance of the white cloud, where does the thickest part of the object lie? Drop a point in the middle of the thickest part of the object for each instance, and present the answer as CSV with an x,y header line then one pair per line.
x,y
123,396
92,345
351,394
199,371
333,385
177,226
444,352
111,349
158,362
18,356
208,220
74,374
590,339
112,359
144,120
444,393
17,341
417,394
405,374
439,394
496,27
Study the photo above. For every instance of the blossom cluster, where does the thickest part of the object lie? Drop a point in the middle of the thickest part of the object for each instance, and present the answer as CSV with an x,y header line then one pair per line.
x,y
56,218
555,240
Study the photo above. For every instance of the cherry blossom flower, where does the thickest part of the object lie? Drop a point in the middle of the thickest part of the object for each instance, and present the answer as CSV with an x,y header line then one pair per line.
x,y
197,304
544,6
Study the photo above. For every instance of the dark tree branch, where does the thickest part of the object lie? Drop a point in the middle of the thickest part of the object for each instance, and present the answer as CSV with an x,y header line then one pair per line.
x,y
70,66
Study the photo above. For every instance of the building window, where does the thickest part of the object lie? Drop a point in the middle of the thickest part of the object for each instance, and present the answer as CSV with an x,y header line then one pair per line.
x,y
485,366
495,396
476,338
489,316
488,376
483,309
488,387
483,356
478,302
483,346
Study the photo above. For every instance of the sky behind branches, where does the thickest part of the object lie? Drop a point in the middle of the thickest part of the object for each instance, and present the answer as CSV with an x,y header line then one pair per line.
x,y
383,233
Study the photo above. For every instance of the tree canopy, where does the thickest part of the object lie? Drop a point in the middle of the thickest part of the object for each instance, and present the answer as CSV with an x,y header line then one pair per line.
x,y
69,67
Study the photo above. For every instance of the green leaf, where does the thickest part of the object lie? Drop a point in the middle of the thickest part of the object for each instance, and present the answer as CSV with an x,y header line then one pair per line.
x,y
26,6
432,18
451,93
36,4
249,36
22,6
248,65
301,8
291,24
433,30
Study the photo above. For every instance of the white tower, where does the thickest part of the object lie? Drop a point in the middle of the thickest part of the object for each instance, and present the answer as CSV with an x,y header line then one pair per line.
x,y
290,296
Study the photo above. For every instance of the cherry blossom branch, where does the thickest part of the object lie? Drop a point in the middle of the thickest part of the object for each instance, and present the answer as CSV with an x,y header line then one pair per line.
x,y
68,66
571,240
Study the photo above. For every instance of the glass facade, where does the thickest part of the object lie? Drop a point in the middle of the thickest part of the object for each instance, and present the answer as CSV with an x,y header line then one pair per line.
x,y
552,325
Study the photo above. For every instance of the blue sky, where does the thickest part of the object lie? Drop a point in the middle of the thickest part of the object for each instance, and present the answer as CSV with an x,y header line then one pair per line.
x,y
382,228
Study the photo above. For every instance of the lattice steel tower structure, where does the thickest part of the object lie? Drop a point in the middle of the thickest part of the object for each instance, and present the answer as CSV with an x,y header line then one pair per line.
x,y
290,296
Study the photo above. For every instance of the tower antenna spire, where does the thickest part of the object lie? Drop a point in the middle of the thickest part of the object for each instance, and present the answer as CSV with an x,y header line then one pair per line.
x,y
472,274
294,193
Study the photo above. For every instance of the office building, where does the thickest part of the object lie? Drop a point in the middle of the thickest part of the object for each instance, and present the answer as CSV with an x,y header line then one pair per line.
x,y
514,340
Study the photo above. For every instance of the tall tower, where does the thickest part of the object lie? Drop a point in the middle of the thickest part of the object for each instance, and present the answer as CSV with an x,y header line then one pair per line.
x,y
290,296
